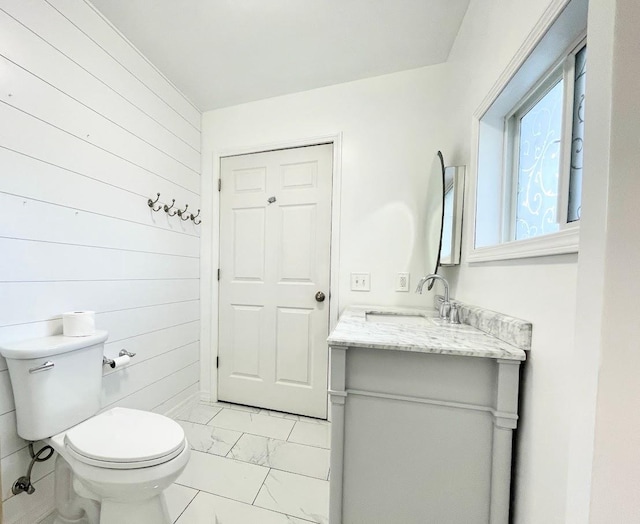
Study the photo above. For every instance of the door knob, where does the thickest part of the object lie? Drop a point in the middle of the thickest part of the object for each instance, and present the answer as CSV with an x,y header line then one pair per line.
x,y
320,296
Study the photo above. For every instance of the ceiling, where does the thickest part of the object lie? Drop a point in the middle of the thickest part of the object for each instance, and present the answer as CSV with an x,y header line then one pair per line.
x,y
226,52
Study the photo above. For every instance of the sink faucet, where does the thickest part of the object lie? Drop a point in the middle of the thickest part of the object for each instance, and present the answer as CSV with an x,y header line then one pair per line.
x,y
445,307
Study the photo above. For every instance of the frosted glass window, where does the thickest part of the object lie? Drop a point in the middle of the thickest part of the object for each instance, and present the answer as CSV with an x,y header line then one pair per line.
x,y
577,139
539,142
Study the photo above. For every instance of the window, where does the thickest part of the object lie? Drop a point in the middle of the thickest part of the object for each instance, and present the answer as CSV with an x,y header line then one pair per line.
x,y
539,140
541,169
577,137
530,145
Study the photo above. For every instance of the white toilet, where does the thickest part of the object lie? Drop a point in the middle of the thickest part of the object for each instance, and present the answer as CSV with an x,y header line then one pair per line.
x,y
112,467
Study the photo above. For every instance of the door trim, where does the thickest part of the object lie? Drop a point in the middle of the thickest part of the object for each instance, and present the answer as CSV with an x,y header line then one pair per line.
x,y
209,288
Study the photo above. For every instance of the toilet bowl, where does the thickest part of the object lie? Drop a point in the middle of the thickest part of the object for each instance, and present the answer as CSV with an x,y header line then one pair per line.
x,y
123,459
112,467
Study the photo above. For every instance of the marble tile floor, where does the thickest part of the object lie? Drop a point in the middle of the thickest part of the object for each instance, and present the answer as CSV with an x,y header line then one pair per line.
x,y
251,466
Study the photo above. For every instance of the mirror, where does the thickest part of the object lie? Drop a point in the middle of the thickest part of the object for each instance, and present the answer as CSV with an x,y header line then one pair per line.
x,y
451,242
434,208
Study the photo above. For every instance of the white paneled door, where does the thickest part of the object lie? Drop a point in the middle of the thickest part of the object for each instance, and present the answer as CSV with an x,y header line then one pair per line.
x,y
275,232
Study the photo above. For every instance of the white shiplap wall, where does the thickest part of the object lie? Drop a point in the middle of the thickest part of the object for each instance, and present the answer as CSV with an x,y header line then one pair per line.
x,y
88,131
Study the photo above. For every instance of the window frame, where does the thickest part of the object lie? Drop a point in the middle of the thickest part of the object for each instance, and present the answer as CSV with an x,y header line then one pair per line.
x,y
562,30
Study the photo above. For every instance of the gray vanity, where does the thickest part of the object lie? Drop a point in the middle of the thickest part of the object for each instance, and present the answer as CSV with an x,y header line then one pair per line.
x,y
423,413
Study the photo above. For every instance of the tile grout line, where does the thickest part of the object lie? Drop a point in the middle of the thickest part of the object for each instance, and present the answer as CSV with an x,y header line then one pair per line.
x,y
211,419
242,433
233,446
185,508
260,488
235,459
292,428
248,432
259,435
207,423
245,503
229,458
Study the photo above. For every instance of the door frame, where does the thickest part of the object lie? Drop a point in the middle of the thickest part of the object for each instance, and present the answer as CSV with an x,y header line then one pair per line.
x,y
209,264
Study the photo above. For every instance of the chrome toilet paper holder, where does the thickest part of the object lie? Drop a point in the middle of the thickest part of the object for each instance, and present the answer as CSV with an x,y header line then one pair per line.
x,y
109,362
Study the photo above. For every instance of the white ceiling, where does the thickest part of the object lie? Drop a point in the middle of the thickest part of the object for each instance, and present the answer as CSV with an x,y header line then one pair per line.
x,y
225,52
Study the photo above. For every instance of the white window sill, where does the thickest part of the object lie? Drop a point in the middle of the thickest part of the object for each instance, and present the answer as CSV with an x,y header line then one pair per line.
x,y
560,243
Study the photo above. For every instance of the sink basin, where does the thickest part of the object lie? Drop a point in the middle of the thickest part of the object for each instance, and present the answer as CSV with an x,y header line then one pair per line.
x,y
407,319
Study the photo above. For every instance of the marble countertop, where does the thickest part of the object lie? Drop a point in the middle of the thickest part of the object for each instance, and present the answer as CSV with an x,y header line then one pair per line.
x,y
359,326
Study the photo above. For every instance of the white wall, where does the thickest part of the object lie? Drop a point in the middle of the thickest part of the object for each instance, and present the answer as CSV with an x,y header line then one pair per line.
x,y
605,466
577,456
88,131
541,290
392,127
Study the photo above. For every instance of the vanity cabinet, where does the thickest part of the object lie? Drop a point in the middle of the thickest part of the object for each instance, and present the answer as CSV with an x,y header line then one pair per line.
x,y
420,435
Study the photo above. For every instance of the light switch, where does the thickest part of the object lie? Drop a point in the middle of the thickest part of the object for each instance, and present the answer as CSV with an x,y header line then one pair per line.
x,y
360,282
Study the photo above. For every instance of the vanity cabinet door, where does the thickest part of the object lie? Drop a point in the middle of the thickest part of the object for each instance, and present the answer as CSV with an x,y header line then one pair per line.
x,y
413,463
418,438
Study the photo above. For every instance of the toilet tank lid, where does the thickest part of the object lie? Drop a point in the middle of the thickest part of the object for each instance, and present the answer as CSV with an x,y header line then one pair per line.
x,y
48,346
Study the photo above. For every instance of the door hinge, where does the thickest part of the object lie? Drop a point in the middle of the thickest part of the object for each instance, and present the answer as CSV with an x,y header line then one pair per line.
x,y
219,184
218,273
217,362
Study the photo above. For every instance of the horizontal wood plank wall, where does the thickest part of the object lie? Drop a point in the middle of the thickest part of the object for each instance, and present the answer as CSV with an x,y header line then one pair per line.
x,y
89,130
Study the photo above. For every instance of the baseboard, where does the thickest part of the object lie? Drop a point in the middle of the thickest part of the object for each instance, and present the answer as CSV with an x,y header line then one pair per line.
x,y
205,396
175,404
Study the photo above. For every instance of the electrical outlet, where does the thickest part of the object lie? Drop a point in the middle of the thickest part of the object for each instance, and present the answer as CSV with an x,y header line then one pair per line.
x,y
360,282
402,282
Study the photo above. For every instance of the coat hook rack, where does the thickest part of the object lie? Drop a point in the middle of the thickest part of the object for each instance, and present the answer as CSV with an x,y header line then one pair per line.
x,y
167,208
151,203
183,213
193,218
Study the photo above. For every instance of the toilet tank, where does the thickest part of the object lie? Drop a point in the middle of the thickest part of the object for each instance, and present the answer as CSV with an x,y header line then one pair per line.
x,y
56,382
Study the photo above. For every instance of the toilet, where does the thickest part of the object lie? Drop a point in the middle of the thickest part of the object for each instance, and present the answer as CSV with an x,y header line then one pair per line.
x,y
112,467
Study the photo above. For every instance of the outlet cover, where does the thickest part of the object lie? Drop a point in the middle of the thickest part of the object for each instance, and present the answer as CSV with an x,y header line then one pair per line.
x,y
402,282
360,282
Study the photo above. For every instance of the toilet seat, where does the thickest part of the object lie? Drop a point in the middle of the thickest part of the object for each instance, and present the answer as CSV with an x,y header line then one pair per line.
x,y
123,438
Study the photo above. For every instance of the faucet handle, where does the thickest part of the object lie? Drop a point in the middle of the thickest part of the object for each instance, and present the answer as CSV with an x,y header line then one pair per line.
x,y
454,314
445,309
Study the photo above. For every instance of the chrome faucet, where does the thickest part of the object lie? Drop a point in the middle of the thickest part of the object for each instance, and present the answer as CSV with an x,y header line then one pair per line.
x,y
445,307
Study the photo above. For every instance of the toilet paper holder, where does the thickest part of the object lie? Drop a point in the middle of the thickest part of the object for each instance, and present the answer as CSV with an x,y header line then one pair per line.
x,y
109,362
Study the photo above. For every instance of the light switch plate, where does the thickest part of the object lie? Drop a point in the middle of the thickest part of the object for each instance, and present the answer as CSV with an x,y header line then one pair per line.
x,y
360,282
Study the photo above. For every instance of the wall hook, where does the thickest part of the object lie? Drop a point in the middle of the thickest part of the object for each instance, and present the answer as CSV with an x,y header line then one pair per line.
x,y
183,212
193,217
167,208
151,203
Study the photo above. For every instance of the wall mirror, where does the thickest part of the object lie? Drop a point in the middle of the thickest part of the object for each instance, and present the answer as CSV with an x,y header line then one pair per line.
x,y
434,208
451,243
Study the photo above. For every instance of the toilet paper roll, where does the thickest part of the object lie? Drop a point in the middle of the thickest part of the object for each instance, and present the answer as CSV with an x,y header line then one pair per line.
x,y
78,323
118,362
